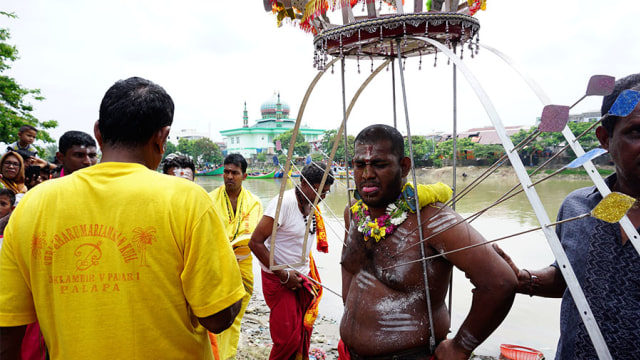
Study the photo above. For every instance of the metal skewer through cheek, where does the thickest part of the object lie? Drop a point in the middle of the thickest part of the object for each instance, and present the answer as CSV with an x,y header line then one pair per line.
x,y
611,209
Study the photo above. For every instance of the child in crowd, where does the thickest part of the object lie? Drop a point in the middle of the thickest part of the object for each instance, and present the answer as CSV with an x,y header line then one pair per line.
x,y
24,146
7,203
26,136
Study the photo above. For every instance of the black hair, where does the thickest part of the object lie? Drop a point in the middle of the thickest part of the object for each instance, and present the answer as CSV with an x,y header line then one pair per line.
x,y
373,134
177,160
237,160
132,110
24,128
8,193
314,172
73,137
627,82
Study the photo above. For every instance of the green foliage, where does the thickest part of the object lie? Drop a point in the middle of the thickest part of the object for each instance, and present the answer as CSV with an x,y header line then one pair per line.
x,y
49,152
423,147
328,139
170,149
15,108
551,141
445,148
202,151
261,157
317,157
282,160
301,147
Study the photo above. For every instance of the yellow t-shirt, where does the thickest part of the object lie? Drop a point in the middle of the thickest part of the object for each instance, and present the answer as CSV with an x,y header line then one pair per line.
x,y
117,261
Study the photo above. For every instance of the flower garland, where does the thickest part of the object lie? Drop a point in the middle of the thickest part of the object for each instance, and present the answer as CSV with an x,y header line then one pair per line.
x,y
380,227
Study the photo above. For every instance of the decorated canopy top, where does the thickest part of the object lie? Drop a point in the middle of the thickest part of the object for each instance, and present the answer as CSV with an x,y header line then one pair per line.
x,y
371,28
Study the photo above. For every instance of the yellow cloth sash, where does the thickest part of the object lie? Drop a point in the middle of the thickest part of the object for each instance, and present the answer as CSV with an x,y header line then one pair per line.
x,y
438,192
239,225
311,313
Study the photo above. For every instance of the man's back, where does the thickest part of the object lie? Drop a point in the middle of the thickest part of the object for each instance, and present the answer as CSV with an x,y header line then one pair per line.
x,y
121,268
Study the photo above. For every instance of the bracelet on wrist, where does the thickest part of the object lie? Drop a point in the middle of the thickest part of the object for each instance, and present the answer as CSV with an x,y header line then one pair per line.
x,y
533,281
286,281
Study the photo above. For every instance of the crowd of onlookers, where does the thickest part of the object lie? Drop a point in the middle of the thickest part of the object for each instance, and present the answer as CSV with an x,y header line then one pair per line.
x,y
21,169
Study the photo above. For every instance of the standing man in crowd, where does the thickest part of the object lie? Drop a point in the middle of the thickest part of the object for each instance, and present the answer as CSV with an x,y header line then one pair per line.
x,y
292,298
76,150
605,262
136,266
241,211
386,314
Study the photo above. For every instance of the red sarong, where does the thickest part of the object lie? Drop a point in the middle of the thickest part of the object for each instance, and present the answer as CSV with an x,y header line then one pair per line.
x,y
291,338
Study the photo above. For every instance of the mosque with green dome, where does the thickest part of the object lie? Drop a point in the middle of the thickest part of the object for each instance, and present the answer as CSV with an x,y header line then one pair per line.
x,y
250,140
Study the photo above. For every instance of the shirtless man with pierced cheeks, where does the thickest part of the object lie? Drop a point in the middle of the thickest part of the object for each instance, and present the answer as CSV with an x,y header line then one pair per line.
x,y
385,315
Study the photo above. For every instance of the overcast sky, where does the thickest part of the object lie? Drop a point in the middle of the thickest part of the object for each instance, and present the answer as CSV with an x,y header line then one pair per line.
x,y
212,56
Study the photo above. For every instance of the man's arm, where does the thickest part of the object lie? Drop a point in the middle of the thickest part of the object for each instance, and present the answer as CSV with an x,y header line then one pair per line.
x,y
11,342
547,282
288,277
494,281
221,320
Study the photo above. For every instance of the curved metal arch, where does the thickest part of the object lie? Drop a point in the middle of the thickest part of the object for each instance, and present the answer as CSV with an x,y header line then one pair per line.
x,y
536,204
348,110
287,167
604,190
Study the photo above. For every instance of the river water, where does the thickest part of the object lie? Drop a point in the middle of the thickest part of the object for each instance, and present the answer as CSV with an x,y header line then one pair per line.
x,y
532,321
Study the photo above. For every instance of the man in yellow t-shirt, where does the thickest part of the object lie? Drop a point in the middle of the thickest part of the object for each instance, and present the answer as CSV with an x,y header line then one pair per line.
x,y
117,261
240,211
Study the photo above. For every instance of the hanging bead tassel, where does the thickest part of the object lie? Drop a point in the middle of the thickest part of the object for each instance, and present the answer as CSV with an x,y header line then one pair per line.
x,y
447,35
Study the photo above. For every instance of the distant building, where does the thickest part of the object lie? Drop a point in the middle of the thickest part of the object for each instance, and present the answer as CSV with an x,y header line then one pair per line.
x,y
258,138
189,134
486,135
590,116
585,117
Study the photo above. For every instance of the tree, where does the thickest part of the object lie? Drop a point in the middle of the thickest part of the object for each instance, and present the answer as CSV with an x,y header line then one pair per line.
x,y
170,149
202,151
15,108
184,146
445,148
301,148
49,152
421,147
329,137
206,151
553,141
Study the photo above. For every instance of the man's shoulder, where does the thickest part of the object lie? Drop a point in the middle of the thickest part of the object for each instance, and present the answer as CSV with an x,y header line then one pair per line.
x,y
217,191
585,195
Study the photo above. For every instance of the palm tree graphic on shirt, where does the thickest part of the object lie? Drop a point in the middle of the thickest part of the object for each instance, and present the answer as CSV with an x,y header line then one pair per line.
x,y
142,238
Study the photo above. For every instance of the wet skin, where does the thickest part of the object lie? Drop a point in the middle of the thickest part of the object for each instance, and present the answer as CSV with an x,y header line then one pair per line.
x,y
385,309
